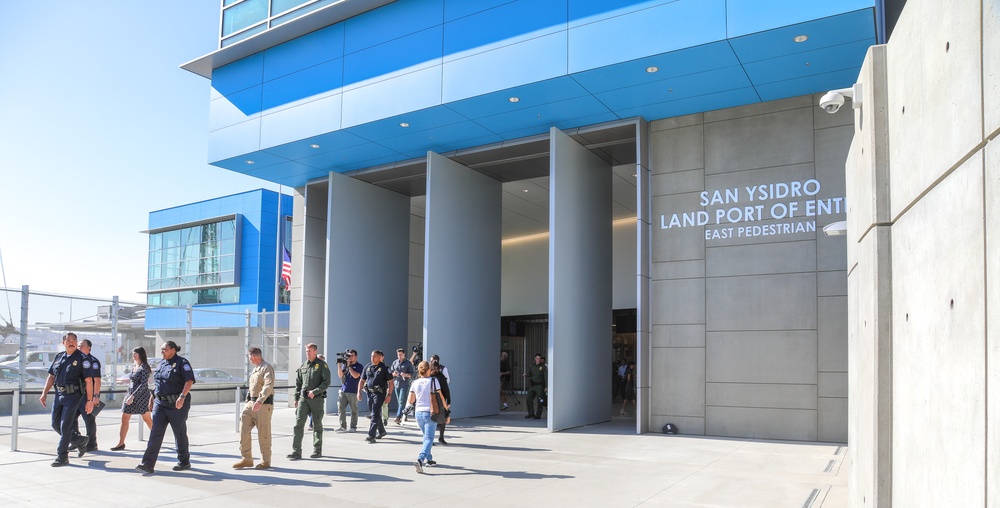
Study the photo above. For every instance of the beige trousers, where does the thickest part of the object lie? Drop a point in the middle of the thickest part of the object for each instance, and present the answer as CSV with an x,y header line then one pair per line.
x,y
262,420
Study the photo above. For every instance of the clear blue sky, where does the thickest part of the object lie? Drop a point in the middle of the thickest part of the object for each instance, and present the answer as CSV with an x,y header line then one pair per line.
x,y
99,127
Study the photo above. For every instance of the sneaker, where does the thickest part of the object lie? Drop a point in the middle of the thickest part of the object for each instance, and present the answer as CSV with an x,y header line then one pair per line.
x,y
310,429
505,407
419,465
370,439
294,455
432,463
399,421
144,469
182,466
342,429
353,429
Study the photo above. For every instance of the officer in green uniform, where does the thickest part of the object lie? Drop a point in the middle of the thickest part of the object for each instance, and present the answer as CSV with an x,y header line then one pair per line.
x,y
311,382
538,378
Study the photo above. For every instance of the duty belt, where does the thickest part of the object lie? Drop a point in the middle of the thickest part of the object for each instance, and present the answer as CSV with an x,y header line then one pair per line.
x,y
268,400
68,389
376,389
169,399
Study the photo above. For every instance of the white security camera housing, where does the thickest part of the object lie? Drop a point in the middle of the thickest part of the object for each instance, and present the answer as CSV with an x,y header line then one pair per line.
x,y
834,99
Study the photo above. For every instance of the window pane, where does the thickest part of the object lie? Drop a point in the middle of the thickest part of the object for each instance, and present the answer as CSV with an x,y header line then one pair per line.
x,y
227,230
155,241
279,6
168,299
153,299
227,277
171,255
188,297
243,15
227,247
229,295
227,263
171,238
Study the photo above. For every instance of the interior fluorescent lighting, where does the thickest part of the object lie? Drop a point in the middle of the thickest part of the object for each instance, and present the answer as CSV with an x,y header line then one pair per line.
x,y
801,38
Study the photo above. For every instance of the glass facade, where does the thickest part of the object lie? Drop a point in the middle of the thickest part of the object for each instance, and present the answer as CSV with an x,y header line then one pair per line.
x,y
243,18
195,264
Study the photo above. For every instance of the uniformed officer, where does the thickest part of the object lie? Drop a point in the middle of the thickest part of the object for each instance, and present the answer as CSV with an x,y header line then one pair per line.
x,y
74,392
257,412
311,382
538,378
93,370
377,383
170,405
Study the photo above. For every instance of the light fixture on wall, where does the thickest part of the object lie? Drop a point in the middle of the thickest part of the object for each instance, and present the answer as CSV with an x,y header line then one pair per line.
x,y
838,228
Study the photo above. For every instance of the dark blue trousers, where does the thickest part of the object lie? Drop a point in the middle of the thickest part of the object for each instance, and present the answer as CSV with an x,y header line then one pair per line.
x,y
164,414
64,413
375,401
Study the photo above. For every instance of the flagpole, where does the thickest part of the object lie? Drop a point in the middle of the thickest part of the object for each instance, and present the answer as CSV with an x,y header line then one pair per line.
x,y
278,259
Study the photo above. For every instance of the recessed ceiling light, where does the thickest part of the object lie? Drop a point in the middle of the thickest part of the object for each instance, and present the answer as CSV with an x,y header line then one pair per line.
x,y
404,124
514,99
314,146
249,162
652,68
801,38
524,190
633,175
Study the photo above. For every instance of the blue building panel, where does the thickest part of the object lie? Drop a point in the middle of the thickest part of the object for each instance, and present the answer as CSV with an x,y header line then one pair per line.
x,y
404,55
508,66
308,83
392,21
401,94
304,52
503,25
749,16
239,75
455,9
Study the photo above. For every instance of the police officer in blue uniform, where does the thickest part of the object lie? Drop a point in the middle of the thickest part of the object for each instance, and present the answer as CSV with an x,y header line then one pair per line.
x,y
92,367
170,405
377,382
74,393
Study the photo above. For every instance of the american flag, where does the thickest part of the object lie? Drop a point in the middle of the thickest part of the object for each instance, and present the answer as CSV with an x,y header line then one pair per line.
x,y
286,268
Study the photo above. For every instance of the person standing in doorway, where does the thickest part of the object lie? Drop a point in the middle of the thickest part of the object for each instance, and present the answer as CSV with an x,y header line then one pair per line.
x,y
311,381
137,396
505,377
257,412
402,373
629,392
377,383
170,405
74,393
538,378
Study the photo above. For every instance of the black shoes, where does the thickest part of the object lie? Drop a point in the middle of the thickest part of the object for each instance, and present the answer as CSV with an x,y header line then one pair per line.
x,y
419,465
118,448
537,417
78,443
295,455
142,468
431,463
182,466
399,421
529,416
370,439
383,434
316,455
60,463
442,441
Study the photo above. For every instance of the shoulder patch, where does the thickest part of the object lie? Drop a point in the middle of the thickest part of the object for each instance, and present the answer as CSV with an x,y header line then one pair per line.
x,y
86,364
187,366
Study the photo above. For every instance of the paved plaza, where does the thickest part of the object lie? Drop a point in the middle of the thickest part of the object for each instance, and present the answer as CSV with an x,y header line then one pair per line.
x,y
495,461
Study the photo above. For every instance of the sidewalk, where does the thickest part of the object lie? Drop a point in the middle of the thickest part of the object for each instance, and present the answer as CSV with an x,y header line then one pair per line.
x,y
494,461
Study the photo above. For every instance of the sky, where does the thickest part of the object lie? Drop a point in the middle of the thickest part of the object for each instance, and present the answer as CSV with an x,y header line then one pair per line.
x,y
100,126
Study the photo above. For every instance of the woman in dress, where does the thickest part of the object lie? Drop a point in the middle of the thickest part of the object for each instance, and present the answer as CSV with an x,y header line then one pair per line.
x,y
137,397
422,391
628,392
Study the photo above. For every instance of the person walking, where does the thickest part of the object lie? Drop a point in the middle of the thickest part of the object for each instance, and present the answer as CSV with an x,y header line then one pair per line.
x,y
137,396
402,374
538,381
377,383
170,404
92,367
74,393
257,412
425,396
349,372
311,381
437,372
505,377
628,393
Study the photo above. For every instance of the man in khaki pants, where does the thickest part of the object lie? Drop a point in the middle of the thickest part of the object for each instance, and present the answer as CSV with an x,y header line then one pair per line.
x,y
257,412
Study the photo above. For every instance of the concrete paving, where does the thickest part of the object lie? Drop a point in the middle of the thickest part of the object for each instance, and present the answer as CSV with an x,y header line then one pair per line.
x,y
494,461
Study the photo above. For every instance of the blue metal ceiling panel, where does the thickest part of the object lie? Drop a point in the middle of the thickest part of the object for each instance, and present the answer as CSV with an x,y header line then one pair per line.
x,y
669,65
260,160
304,52
239,75
808,84
832,31
750,16
442,147
448,134
690,85
710,102
545,114
417,121
808,63
502,26
390,22
351,166
402,94
336,140
669,27
348,155
529,96
524,62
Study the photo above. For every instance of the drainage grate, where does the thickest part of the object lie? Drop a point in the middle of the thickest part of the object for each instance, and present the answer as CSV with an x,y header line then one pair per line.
x,y
829,467
812,497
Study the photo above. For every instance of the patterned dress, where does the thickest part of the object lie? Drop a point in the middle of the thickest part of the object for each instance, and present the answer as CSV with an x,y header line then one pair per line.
x,y
140,389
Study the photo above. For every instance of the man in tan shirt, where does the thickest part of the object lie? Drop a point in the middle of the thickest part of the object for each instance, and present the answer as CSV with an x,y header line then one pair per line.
x,y
257,412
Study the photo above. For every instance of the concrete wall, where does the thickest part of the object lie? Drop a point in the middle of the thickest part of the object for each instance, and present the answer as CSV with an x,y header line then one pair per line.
x,y
308,295
748,308
924,165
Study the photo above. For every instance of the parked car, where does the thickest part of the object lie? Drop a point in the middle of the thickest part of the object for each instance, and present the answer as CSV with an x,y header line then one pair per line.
x,y
216,376
9,377
34,359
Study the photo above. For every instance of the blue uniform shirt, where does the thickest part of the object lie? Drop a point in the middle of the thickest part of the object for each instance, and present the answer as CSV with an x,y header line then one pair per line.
x,y
171,375
92,366
350,384
69,369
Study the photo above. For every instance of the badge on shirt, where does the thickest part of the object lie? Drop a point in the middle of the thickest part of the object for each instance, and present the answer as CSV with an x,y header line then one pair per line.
x,y
74,363
173,366
316,367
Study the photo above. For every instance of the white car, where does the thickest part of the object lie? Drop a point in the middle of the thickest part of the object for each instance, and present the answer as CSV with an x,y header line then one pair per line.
x,y
35,359
215,376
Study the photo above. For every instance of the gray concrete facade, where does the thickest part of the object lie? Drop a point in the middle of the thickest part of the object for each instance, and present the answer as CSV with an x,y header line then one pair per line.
x,y
462,281
748,298
924,183
309,230
579,283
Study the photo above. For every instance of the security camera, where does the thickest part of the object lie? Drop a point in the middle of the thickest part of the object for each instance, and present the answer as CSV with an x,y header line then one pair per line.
x,y
834,99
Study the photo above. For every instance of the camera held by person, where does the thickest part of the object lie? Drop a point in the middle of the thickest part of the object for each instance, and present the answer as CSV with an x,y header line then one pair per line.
x,y
342,357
